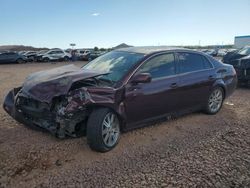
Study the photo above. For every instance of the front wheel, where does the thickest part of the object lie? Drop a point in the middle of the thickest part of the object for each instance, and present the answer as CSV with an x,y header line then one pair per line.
x,y
103,130
66,58
215,101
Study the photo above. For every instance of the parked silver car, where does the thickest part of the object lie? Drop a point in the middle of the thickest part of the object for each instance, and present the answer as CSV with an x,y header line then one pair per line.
x,y
56,55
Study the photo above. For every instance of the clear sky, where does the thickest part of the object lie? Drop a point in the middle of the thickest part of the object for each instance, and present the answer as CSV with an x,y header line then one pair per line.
x,y
107,23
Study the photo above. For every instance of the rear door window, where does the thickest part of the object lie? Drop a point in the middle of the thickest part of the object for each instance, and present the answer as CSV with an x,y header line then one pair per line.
x,y
190,62
58,52
51,52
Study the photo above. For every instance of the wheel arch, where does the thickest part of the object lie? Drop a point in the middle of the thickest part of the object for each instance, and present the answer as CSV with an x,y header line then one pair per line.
x,y
222,85
118,111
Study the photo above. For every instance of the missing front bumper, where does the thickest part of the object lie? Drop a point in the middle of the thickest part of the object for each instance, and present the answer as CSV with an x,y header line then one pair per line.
x,y
34,117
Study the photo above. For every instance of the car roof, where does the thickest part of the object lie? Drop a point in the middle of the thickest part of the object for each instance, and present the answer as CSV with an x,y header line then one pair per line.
x,y
53,49
151,49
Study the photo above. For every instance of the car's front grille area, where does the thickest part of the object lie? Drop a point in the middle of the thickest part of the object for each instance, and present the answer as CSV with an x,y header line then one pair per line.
x,y
23,101
33,108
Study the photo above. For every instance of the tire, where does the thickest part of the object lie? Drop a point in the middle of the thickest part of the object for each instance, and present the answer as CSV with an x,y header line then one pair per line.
x,y
103,136
46,59
32,59
215,101
66,58
20,61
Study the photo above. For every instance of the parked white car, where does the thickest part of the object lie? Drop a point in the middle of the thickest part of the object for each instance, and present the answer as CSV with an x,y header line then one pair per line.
x,y
221,52
83,54
56,55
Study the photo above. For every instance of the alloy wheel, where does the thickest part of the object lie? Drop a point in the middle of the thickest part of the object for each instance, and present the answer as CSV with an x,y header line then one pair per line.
x,y
110,129
215,100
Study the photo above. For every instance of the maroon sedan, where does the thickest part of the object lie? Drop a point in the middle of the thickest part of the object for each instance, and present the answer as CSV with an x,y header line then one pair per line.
x,y
121,90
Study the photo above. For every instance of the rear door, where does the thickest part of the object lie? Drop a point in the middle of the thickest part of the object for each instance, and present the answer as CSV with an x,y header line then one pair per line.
x,y
144,101
59,54
196,77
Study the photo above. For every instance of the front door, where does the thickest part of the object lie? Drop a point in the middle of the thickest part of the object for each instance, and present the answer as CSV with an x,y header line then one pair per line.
x,y
144,101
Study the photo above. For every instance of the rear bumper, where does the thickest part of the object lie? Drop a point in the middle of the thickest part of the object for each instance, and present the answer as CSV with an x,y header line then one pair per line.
x,y
231,85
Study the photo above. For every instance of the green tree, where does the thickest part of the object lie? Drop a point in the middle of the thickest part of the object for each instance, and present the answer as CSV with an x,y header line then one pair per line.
x,y
102,49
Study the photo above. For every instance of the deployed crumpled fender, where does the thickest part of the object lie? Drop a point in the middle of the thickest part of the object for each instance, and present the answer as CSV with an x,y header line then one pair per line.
x,y
92,96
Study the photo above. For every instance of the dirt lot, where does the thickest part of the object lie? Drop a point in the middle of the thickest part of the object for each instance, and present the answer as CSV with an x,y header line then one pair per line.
x,y
193,150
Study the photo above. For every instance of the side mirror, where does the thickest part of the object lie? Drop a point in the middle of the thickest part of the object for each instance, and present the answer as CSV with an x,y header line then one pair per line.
x,y
141,78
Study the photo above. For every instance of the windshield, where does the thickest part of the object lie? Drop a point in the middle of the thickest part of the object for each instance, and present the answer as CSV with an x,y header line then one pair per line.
x,y
244,51
115,63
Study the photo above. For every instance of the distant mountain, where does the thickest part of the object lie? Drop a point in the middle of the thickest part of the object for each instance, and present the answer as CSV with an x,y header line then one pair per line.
x,y
123,45
20,48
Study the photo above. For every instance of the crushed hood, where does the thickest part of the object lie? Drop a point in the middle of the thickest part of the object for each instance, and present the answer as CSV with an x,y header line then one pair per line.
x,y
45,85
232,56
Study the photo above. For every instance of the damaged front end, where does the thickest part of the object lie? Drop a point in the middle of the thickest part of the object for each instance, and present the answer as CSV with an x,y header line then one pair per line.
x,y
60,100
59,117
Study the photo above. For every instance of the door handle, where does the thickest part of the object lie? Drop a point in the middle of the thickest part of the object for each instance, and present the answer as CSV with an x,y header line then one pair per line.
x,y
174,85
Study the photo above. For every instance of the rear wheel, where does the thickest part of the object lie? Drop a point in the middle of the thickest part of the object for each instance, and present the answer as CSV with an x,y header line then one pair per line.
x,y
215,101
46,59
103,130
20,61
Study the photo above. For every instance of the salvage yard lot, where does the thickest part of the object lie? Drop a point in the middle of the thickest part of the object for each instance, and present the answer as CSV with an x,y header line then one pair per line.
x,y
196,149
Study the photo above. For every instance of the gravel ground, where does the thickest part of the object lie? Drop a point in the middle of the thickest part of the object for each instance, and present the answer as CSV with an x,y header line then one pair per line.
x,y
195,150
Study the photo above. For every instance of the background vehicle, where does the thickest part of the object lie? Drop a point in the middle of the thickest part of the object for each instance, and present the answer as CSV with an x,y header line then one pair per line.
x,y
38,56
30,55
234,55
22,52
55,55
241,61
94,54
231,50
121,90
221,52
12,57
83,54
212,52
